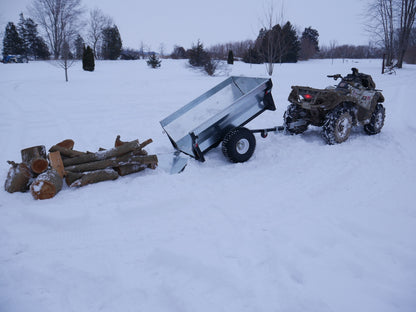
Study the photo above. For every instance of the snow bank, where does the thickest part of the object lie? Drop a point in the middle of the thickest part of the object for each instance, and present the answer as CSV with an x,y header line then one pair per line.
x,y
302,226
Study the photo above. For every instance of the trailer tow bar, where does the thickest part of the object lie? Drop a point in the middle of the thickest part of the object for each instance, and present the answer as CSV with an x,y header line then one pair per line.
x,y
265,132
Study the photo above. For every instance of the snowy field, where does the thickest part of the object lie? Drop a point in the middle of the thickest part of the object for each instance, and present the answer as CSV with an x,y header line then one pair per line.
x,y
302,226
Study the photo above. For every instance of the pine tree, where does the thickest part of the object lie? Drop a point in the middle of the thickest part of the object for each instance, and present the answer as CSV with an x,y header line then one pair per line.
x,y
32,44
112,44
291,42
21,29
230,59
40,49
12,43
252,56
154,61
309,43
88,62
198,57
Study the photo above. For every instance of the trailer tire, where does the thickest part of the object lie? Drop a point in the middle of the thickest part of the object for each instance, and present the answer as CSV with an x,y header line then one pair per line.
x,y
239,145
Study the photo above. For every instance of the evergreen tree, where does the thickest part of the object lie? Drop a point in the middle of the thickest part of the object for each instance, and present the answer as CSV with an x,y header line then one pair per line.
x,y
291,41
309,43
198,57
154,61
32,44
12,43
40,49
79,47
88,62
23,33
252,56
112,44
230,59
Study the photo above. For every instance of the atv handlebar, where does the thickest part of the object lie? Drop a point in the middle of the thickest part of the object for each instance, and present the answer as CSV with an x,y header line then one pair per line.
x,y
334,76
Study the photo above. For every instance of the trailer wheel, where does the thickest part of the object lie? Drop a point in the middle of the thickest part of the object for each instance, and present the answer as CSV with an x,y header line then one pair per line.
x,y
238,145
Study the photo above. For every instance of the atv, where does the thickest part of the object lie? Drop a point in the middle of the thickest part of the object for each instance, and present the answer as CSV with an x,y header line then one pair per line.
x,y
355,100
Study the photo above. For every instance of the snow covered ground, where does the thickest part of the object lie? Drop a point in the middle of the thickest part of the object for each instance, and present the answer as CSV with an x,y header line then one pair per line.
x,y
302,226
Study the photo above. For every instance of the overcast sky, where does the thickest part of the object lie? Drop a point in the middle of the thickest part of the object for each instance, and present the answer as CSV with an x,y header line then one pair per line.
x,y
183,22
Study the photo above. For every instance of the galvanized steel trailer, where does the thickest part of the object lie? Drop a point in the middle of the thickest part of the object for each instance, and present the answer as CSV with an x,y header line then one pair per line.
x,y
219,115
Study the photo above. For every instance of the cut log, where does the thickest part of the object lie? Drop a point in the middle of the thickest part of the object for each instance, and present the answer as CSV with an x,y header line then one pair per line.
x,y
46,185
69,144
35,158
95,177
55,161
71,177
66,151
114,152
127,159
18,178
129,169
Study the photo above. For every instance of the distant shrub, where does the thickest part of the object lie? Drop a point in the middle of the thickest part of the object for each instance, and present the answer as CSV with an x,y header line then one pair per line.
x,y
210,67
154,61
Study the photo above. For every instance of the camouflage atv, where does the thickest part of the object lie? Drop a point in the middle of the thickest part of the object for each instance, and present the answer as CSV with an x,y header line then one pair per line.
x,y
355,100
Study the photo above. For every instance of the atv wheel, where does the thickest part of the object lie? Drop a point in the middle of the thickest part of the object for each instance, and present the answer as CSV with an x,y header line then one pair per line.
x,y
238,145
295,119
337,126
376,121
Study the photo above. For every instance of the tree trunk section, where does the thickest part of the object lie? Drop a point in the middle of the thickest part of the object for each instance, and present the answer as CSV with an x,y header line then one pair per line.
x,y
71,177
18,178
129,169
67,152
111,163
46,185
95,177
35,158
69,144
55,160
99,156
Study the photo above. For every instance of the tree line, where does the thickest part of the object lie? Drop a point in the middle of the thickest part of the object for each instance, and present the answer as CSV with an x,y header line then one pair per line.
x,y
61,23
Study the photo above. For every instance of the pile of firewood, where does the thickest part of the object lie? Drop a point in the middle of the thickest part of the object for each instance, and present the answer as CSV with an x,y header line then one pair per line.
x,y
44,175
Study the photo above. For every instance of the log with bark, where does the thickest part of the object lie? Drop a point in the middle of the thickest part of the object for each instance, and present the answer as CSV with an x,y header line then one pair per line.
x,y
102,155
18,178
79,168
81,179
127,159
46,185
35,158
66,152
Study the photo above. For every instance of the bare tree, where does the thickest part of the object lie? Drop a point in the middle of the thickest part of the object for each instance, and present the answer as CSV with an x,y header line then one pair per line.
x,y
66,60
407,19
59,19
273,46
332,45
381,25
98,21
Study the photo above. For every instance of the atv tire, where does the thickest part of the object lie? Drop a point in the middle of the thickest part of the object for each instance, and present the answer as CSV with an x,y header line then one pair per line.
x,y
238,145
337,126
295,119
376,121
